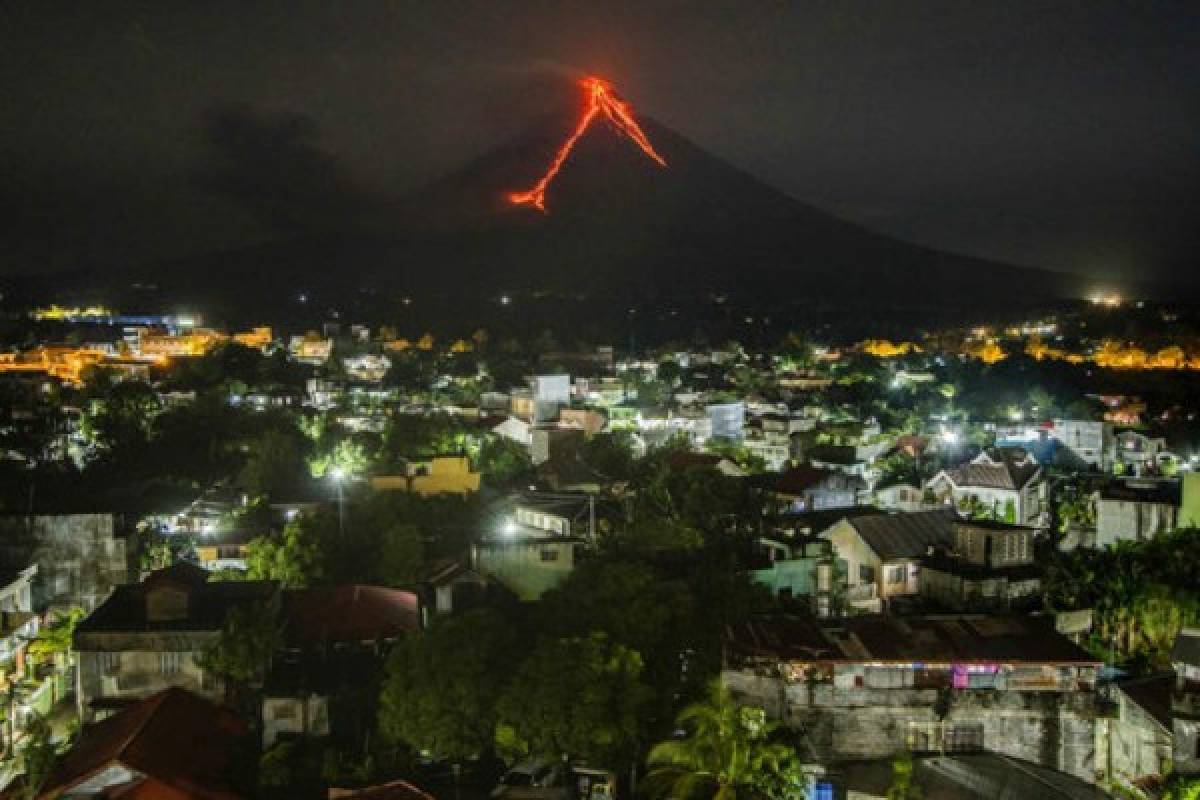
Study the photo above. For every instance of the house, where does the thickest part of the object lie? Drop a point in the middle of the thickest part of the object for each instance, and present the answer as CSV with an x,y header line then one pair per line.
x,y
1136,509
1137,453
989,567
842,458
1090,441
438,475
961,776
883,552
1185,702
225,550
808,488
172,745
79,557
150,636
869,686
516,429
1004,482
679,460
901,497
582,419
18,624
335,641
1139,742
560,513
806,570
528,561
448,586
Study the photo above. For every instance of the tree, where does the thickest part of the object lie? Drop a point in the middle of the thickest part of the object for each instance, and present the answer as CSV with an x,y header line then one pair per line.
x,y
275,462
726,754
441,687
55,637
904,786
503,461
250,637
401,556
38,757
295,557
1183,789
610,454
577,698
637,606
121,420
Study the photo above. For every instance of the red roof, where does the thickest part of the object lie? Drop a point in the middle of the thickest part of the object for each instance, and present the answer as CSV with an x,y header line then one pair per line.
x,y
349,614
157,738
396,790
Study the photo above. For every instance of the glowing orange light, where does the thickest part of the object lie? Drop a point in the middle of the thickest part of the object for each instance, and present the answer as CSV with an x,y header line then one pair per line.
x,y
600,100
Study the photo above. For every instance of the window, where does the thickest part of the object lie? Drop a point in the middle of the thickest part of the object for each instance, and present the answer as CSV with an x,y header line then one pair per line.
x,y
283,710
896,575
170,663
549,555
109,662
866,574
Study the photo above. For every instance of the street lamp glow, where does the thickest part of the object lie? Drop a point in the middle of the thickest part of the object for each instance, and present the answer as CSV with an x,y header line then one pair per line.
x,y
338,474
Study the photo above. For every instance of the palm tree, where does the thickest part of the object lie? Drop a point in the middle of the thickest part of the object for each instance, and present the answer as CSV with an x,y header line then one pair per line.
x,y
904,786
727,755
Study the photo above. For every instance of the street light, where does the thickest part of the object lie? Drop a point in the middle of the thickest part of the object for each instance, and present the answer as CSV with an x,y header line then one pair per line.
x,y
339,477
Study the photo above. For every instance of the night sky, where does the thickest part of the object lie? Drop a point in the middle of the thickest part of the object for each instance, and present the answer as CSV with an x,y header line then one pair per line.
x,y
1057,134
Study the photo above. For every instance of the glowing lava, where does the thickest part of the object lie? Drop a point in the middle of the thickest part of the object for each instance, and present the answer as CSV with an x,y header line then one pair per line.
x,y
601,100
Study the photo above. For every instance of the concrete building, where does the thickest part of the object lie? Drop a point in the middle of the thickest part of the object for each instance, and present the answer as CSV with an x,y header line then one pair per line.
x,y
437,475
528,565
808,488
1005,482
810,570
79,557
728,419
989,567
1136,509
868,687
1185,702
335,639
883,553
150,636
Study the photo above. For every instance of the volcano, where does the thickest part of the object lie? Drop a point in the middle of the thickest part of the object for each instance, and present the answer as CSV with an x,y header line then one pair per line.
x,y
619,224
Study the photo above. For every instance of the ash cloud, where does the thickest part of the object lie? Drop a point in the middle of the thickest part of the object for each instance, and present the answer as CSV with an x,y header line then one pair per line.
x,y
272,164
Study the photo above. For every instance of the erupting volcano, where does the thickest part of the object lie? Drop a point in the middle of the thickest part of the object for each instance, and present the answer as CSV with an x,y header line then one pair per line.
x,y
600,100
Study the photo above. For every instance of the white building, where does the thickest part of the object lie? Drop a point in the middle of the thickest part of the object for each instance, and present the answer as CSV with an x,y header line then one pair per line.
x,y
728,419
1005,482
1136,510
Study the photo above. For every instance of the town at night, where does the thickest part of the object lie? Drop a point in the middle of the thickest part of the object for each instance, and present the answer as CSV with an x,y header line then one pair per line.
x,y
600,401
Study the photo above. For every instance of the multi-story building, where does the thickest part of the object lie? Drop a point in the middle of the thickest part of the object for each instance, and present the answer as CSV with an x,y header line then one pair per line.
x,y
989,567
150,636
871,686
1005,482
80,558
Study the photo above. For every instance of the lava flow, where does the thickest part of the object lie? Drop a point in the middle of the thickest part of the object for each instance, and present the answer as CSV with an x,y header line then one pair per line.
x,y
600,100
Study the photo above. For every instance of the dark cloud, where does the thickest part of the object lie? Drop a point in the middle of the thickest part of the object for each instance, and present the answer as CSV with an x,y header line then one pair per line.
x,y
272,165
1071,124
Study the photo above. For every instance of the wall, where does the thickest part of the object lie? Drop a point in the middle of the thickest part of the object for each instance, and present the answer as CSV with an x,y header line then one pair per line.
x,y
132,666
1118,520
294,715
1055,729
528,568
79,559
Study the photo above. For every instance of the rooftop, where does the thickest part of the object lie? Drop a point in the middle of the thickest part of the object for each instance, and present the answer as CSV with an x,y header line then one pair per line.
x,y
951,638
157,738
